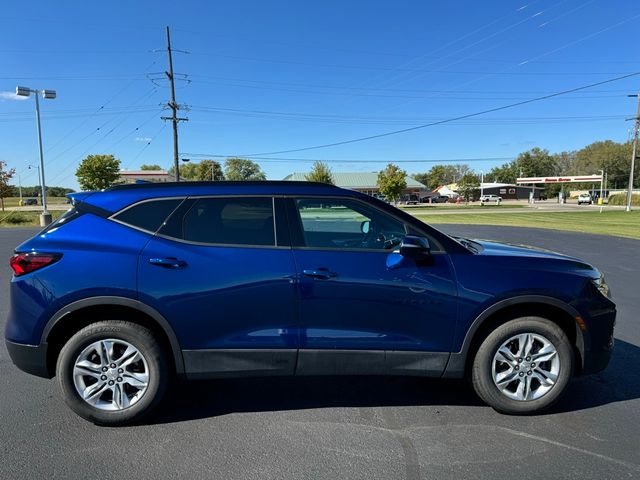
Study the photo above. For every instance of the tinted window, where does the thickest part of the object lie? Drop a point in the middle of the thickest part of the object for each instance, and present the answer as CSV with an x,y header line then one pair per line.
x,y
148,215
343,223
235,221
61,220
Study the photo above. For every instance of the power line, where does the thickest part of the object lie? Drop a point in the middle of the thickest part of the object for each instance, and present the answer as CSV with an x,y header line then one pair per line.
x,y
371,120
79,157
373,89
153,137
482,40
451,95
336,160
140,99
453,119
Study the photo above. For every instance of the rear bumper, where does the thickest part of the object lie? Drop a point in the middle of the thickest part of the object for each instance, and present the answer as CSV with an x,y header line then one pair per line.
x,y
29,358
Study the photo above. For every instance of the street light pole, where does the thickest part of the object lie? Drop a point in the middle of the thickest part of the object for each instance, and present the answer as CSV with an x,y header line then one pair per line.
x,y
45,217
633,155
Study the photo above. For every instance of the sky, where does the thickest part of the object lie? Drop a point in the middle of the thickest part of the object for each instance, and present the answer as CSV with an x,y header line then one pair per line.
x,y
282,76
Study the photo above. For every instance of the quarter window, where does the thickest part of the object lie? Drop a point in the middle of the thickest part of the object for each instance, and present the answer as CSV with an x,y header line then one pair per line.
x,y
235,221
148,215
343,223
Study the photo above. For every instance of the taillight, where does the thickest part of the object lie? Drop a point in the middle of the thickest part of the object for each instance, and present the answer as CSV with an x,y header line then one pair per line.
x,y
22,263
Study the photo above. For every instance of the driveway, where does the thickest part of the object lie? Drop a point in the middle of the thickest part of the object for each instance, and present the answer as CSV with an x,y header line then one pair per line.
x,y
335,428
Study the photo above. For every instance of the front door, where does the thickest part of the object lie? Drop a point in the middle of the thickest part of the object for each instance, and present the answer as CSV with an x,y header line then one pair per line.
x,y
363,307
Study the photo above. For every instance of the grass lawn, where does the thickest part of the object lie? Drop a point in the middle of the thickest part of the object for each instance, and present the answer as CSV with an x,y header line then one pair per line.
x,y
617,223
13,201
24,219
461,206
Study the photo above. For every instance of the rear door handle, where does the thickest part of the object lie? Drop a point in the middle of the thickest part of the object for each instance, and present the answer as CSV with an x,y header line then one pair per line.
x,y
321,273
168,262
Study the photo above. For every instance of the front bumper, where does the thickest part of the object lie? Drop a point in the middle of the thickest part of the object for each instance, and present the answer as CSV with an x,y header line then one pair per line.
x,y
29,358
601,341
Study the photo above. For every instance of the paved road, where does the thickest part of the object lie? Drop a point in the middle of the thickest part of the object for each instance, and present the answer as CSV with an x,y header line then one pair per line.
x,y
334,428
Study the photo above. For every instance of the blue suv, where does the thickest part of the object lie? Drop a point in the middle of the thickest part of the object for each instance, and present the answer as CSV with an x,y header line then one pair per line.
x,y
139,284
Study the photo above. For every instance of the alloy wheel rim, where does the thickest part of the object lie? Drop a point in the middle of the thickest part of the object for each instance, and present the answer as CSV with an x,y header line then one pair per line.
x,y
526,367
111,374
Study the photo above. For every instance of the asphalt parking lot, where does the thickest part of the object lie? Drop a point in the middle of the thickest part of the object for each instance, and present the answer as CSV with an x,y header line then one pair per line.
x,y
333,428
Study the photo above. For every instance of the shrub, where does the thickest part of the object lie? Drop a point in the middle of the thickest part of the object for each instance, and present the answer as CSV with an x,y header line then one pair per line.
x,y
15,219
621,199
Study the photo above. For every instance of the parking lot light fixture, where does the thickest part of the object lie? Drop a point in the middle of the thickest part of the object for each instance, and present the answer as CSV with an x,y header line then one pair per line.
x,y
45,217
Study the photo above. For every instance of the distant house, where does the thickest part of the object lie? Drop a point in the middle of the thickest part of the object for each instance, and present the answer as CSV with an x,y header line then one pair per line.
x,y
365,182
132,176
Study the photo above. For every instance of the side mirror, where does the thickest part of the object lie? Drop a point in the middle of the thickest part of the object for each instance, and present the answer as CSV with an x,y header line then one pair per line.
x,y
415,247
365,226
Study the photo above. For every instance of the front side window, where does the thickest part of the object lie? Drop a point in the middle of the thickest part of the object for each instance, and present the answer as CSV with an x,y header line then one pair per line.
x,y
234,221
344,223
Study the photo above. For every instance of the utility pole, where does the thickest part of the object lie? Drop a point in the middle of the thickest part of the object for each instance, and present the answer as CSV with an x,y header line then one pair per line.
x,y
633,154
174,109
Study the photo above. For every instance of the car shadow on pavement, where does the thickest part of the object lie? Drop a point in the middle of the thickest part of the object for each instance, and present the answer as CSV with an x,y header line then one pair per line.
x,y
620,381
204,399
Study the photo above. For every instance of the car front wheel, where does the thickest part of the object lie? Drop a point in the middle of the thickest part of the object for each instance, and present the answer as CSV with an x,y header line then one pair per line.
x,y
523,366
112,372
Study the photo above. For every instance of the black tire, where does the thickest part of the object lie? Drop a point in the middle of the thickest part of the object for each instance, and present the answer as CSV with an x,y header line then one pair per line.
x,y
137,336
482,373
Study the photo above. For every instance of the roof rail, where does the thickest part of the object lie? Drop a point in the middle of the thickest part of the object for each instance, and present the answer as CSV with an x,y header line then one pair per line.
x,y
223,183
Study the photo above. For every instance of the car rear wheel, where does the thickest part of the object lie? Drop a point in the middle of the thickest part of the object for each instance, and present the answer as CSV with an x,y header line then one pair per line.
x,y
112,372
523,366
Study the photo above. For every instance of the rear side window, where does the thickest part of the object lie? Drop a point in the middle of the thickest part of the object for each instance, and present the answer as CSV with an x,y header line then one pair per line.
x,y
148,215
61,220
232,221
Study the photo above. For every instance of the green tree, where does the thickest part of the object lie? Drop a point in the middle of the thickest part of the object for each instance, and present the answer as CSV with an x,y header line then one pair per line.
x,y
565,162
460,171
153,166
187,171
468,185
5,176
612,157
320,173
438,175
58,191
98,171
209,170
392,181
242,169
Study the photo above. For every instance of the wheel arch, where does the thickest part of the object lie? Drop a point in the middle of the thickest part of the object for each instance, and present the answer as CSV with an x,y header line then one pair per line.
x,y
557,311
77,315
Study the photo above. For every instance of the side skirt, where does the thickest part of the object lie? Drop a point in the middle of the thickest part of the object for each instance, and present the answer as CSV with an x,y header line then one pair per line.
x,y
219,363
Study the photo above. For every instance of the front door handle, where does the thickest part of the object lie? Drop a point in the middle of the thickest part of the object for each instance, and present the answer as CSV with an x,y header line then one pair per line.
x,y
168,262
321,273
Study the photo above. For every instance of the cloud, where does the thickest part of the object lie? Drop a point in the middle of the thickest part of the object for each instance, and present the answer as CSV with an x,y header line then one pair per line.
x,y
11,96
143,139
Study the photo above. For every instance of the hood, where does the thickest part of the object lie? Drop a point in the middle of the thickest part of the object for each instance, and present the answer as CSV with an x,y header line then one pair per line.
x,y
508,249
533,257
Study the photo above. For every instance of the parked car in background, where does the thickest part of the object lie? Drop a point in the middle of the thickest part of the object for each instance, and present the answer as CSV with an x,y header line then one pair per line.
x,y
585,199
491,198
138,284
440,199
30,201
411,199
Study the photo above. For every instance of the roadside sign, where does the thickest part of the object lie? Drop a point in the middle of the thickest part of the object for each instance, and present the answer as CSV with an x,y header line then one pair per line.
x,y
565,179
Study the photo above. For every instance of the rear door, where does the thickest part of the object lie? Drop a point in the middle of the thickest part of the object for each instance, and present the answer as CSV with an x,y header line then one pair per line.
x,y
221,272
